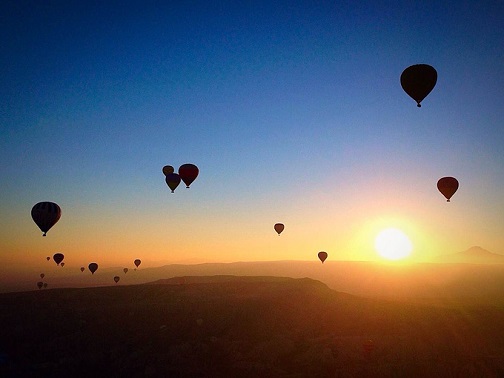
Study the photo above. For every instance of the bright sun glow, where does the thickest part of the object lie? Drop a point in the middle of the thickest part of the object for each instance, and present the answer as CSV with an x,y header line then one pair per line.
x,y
393,244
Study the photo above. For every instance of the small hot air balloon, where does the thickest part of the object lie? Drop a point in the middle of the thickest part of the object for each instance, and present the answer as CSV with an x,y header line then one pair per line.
x,y
93,267
45,285
167,169
40,284
418,81
172,180
82,269
116,279
447,186
137,262
45,215
42,275
279,227
48,258
62,264
188,173
58,258
322,256
125,270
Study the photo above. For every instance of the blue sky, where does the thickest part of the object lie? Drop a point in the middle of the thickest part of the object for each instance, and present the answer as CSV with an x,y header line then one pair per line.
x,y
292,111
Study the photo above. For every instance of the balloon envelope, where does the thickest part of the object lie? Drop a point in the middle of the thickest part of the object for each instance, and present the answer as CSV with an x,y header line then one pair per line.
x,y
279,227
137,262
40,284
188,173
322,256
167,169
116,279
82,269
172,180
125,270
447,186
45,215
62,264
45,285
93,267
48,258
42,275
418,81
58,258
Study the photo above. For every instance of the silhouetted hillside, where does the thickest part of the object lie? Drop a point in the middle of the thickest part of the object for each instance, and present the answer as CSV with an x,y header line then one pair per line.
x,y
241,326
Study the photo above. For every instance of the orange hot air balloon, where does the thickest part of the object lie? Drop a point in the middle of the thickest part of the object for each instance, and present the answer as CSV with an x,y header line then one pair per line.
x,y
42,275
58,258
116,279
82,269
172,180
40,284
188,173
447,186
418,81
167,169
322,256
137,262
45,215
279,227
125,270
93,267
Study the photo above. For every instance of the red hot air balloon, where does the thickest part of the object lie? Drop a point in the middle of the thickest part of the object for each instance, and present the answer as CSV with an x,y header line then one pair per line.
x,y
58,258
279,227
167,169
172,180
45,215
418,81
447,186
82,269
322,256
116,279
40,285
93,267
137,262
188,173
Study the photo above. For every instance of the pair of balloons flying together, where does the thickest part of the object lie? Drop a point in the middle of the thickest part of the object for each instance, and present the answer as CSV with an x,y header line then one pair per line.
x,y
186,172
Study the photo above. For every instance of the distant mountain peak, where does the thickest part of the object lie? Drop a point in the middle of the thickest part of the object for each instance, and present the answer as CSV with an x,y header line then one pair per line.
x,y
476,250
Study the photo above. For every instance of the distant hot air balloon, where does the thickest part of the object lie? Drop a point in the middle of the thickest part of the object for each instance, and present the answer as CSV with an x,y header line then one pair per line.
x,y
42,275
82,269
167,169
418,81
48,258
58,258
137,262
447,186
93,267
45,285
279,227
188,173
40,285
125,270
172,180
116,279
322,256
45,215
62,264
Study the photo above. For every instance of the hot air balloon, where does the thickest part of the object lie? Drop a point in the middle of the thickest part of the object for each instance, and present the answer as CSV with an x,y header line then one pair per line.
x,y
82,269
447,186
40,284
172,180
45,285
93,267
137,262
188,173
48,258
116,279
279,227
167,169
58,258
45,215
62,264
42,275
418,81
322,256
125,270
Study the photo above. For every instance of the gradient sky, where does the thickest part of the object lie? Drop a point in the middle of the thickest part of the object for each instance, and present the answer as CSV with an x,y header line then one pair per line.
x,y
292,111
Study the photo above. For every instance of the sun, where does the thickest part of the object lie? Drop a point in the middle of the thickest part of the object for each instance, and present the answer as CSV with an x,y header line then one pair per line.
x,y
393,244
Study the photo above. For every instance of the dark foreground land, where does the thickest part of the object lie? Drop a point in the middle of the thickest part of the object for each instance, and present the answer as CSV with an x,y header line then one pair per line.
x,y
243,327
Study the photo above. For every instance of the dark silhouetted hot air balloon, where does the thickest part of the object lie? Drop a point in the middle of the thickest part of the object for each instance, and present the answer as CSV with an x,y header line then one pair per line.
x,y
418,81
58,258
137,262
188,173
45,285
447,186
167,169
42,275
82,269
62,264
322,256
40,285
172,180
279,227
125,270
45,215
48,258
93,267
116,279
